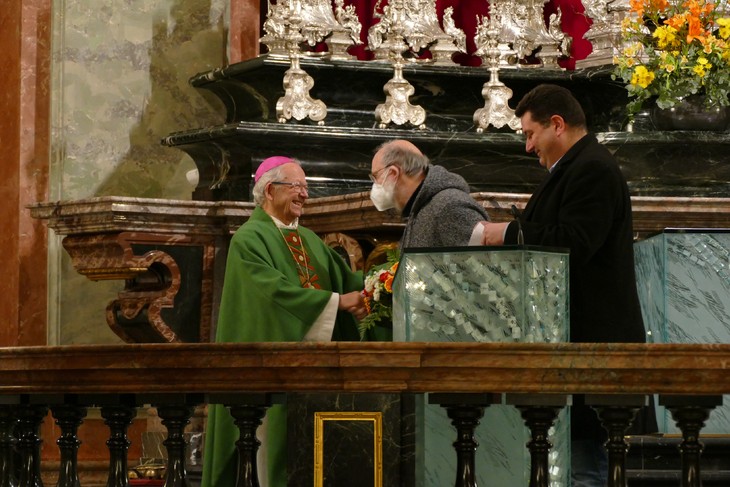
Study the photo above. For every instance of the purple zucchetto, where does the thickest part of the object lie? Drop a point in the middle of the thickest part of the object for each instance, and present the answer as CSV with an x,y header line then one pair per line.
x,y
270,163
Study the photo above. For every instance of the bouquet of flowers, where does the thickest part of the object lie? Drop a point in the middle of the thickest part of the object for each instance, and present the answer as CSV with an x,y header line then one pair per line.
x,y
378,295
675,49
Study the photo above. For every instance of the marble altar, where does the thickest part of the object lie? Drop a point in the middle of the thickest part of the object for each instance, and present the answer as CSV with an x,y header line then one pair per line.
x,y
336,156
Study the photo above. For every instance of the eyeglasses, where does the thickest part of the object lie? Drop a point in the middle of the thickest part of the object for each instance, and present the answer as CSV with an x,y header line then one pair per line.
x,y
374,175
297,186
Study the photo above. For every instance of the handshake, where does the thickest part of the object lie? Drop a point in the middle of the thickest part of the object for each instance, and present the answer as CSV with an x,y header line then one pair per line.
x,y
490,233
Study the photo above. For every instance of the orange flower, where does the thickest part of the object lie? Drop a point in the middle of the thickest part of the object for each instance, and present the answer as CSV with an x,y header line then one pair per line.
x,y
695,28
388,284
637,6
676,21
686,53
658,5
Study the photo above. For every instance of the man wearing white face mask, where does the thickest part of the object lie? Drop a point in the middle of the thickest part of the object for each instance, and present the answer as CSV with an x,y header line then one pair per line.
x,y
436,202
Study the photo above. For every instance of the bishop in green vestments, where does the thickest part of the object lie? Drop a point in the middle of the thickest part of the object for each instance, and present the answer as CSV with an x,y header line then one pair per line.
x,y
282,283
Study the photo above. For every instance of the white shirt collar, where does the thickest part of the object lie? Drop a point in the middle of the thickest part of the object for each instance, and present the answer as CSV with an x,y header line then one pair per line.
x,y
554,165
279,224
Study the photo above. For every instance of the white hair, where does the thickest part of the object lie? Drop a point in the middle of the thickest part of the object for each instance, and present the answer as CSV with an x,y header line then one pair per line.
x,y
266,178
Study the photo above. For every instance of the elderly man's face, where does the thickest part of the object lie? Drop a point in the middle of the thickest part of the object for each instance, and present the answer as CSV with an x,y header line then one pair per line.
x,y
286,195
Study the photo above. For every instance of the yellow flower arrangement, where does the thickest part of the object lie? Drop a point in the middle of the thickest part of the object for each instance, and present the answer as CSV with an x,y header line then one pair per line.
x,y
675,49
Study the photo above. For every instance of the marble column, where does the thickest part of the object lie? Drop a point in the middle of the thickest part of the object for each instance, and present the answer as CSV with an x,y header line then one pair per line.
x,y
24,131
243,39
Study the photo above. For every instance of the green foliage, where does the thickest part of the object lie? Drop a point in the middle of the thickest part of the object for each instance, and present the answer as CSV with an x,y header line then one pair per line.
x,y
674,49
378,295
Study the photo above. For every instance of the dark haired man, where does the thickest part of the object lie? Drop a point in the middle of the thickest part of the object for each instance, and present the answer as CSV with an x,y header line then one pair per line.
x,y
583,204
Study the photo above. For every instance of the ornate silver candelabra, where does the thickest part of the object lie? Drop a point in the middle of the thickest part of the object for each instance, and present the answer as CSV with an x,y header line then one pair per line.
x,y
297,102
409,26
345,33
496,111
605,33
450,40
290,23
315,21
416,23
275,29
522,32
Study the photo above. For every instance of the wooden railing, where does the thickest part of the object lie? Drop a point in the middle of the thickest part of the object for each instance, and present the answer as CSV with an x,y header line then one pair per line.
x,y
464,378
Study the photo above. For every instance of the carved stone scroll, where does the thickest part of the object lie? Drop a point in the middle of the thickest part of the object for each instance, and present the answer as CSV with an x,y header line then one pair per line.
x,y
157,304
348,246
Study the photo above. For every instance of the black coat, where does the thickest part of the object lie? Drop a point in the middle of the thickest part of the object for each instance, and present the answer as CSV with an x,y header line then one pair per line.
x,y
584,205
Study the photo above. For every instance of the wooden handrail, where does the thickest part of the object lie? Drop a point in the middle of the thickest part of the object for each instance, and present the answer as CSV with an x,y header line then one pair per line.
x,y
565,368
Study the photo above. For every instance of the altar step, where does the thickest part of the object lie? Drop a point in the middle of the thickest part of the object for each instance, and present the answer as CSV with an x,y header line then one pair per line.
x,y
654,461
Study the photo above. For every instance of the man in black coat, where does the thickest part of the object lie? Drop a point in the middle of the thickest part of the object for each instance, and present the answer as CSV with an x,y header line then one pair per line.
x,y
583,204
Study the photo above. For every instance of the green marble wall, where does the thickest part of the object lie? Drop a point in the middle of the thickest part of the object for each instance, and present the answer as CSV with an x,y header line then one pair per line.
x,y
119,84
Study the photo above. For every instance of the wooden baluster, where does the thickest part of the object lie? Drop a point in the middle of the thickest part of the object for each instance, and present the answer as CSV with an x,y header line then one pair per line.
x,y
465,411
539,420
617,413
617,420
690,420
118,418
30,417
539,411
175,418
690,414
465,419
247,411
68,417
7,446
248,418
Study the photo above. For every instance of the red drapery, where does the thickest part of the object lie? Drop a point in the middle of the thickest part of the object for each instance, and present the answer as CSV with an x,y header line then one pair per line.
x,y
574,22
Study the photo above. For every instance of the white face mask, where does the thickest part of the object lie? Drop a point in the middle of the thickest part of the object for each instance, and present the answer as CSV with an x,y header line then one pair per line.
x,y
383,195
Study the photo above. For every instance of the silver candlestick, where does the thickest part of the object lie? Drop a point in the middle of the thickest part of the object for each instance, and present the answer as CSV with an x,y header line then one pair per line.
x,y
297,102
409,26
397,108
496,111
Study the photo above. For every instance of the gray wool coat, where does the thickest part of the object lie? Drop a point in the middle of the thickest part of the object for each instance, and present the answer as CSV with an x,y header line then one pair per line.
x,y
441,213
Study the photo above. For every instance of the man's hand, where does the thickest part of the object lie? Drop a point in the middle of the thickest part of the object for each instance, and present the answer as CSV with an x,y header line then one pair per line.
x,y
354,303
494,233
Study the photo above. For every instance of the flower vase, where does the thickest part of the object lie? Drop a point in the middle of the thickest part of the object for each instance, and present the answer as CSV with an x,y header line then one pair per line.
x,y
691,114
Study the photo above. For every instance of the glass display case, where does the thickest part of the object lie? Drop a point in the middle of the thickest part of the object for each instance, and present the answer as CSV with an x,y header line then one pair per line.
x,y
493,294
483,294
683,278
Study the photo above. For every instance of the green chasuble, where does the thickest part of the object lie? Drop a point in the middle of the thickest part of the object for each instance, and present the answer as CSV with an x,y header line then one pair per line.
x,y
263,301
